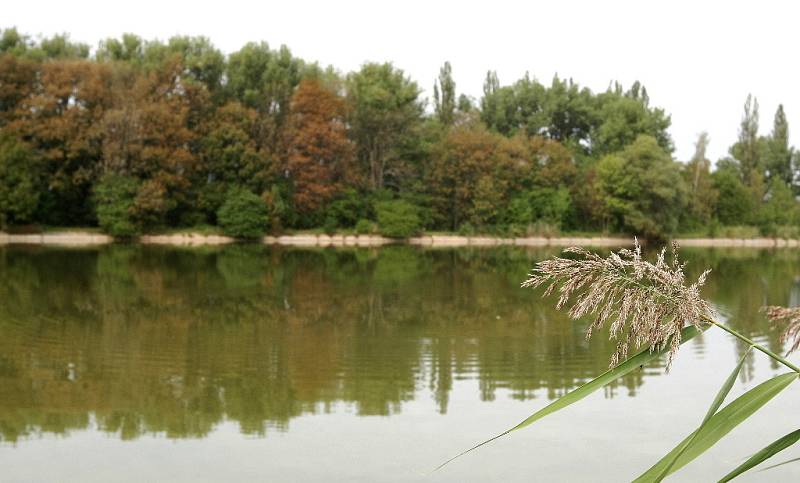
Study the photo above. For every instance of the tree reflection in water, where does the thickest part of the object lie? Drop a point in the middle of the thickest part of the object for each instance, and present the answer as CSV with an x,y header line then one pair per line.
x,y
137,339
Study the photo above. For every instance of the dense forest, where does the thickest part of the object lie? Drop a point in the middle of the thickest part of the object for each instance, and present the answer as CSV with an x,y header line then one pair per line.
x,y
140,136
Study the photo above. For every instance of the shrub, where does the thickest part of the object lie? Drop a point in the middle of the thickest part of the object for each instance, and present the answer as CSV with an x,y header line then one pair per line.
x,y
243,214
348,208
397,218
330,225
114,196
364,227
466,229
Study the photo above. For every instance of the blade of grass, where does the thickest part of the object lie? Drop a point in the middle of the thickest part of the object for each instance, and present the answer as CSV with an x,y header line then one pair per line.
x,y
719,425
767,452
712,410
581,392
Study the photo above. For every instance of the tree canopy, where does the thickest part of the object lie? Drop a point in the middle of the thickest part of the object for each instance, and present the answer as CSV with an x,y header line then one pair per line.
x,y
138,135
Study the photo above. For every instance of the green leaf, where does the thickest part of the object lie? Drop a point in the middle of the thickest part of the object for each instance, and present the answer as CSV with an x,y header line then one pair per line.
x,y
726,387
718,400
581,392
769,451
719,425
793,460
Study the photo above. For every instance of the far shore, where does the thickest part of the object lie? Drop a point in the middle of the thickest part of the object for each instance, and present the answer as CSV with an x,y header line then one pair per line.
x,y
83,238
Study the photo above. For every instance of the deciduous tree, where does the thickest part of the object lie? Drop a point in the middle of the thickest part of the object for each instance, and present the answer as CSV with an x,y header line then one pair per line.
x,y
319,154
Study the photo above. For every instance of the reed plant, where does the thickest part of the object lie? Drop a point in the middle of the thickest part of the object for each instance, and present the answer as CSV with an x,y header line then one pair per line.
x,y
651,309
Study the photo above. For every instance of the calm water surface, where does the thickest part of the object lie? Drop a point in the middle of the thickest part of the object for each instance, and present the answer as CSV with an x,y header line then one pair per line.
x,y
251,363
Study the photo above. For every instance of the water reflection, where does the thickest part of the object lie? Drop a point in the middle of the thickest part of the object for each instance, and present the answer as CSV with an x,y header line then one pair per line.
x,y
135,339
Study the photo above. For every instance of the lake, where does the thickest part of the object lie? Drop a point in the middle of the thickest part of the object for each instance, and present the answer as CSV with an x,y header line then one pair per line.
x,y
256,363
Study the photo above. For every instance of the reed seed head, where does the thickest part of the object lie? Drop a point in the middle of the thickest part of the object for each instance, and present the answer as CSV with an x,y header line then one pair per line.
x,y
789,316
645,304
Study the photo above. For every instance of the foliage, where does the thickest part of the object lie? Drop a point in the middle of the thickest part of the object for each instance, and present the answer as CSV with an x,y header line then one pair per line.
x,y
702,195
243,214
114,197
19,190
734,204
472,173
364,227
319,154
349,207
780,209
642,189
384,113
444,95
397,218
188,123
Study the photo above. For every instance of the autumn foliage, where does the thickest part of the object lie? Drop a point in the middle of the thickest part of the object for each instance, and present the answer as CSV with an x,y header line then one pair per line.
x,y
136,136
319,155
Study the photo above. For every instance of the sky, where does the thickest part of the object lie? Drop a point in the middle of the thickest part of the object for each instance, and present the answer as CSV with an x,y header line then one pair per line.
x,y
698,60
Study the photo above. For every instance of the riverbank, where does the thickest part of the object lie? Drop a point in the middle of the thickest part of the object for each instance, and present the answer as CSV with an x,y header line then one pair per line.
x,y
81,238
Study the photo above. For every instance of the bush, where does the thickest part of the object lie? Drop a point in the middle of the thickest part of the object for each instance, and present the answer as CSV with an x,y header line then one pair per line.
x,y
466,229
364,227
114,196
330,225
397,218
243,214
348,208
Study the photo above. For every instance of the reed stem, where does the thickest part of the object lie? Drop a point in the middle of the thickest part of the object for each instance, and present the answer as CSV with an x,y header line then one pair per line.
x,y
753,344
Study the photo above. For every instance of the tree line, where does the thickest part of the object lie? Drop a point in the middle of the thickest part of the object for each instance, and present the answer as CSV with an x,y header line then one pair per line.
x,y
138,136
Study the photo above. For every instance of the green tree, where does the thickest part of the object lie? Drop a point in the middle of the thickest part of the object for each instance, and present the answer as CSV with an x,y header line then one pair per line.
x,y
229,156
444,95
385,113
14,43
780,208
397,218
735,205
746,152
243,215
703,196
19,183
128,48
264,79
779,154
642,188
623,116
113,198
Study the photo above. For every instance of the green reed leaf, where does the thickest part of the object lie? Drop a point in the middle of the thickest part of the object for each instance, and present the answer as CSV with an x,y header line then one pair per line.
x,y
726,387
767,452
719,425
633,362
793,460
715,405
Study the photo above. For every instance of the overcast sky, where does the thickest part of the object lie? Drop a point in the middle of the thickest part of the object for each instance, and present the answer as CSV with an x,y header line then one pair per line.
x,y
698,60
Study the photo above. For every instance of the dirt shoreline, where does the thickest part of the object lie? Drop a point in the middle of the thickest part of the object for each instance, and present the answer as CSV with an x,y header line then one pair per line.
x,y
77,238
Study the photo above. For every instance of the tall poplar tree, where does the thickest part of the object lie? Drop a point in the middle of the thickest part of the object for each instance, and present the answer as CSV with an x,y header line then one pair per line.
x,y
444,95
745,152
778,153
